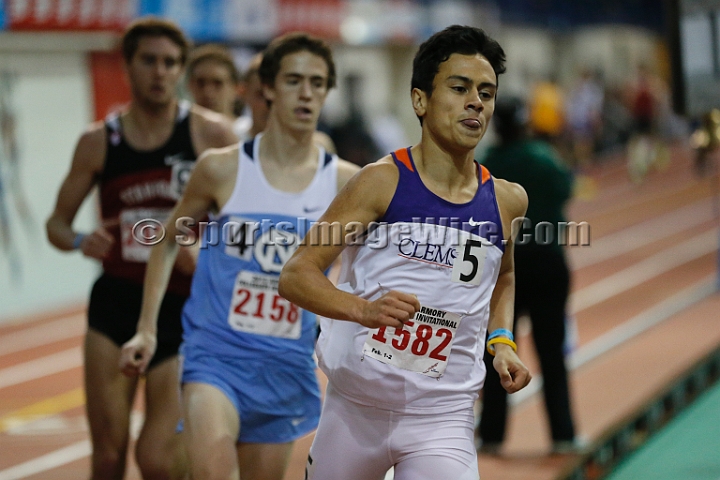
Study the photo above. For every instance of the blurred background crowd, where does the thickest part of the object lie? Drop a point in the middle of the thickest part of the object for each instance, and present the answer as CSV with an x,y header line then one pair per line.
x,y
596,78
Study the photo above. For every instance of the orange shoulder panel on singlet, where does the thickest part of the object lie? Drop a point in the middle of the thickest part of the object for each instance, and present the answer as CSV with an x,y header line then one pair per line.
x,y
484,175
404,158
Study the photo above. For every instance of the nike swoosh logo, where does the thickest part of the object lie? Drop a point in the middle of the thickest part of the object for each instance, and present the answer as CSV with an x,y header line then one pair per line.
x,y
297,421
473,223
310,210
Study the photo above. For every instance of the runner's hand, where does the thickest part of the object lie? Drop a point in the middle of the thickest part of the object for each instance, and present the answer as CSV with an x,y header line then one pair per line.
x,y
514,375
97,244
393,309
136,354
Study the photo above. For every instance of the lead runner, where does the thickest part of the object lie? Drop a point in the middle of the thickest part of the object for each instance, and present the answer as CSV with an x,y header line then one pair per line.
x,y
401,384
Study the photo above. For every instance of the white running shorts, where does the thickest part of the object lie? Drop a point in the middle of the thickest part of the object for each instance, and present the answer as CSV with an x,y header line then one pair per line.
x,y
356,442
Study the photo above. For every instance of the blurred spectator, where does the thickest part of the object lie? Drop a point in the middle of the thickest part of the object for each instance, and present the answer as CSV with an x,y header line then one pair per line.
x,y
547,110
616,122
649,107
352,137
584,109
706,141
542,277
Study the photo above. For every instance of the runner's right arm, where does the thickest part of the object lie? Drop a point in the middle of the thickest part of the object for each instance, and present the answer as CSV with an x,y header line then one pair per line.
x,y
87,164
363,200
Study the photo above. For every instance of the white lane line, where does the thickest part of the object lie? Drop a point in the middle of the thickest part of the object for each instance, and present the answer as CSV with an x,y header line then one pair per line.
x,y
42,316
36,336
643,321
55,459
640,235
627,331
619,208
41,367
67,454
643,271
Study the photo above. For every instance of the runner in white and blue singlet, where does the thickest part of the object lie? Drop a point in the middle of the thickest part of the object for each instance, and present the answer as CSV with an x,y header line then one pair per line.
x,y
248,376
239,334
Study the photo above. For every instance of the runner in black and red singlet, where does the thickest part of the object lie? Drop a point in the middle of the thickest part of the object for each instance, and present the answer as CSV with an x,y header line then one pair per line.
x,y
140,159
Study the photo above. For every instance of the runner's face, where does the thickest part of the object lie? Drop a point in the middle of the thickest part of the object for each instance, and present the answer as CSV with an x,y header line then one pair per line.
x,y
457,114
155,70
299,91
212,86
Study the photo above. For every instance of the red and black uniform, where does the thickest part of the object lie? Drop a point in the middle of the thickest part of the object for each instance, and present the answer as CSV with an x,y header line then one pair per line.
x,y
138,189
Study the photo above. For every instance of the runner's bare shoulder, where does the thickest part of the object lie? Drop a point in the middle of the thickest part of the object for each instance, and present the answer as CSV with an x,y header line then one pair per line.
x,y
512,200
91,148
215,129
218,164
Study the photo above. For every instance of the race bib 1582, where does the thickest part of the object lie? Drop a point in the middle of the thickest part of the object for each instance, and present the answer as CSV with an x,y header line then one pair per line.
x,y
422,345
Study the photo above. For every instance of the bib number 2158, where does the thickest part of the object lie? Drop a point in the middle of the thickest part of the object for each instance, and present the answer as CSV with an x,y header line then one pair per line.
x,y
257,308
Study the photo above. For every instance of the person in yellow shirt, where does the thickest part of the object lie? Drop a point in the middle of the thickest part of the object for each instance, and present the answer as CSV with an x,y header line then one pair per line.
x,y
547,116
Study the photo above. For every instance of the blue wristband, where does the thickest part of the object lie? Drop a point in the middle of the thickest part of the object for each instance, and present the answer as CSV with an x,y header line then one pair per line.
x,y
77,241
501,332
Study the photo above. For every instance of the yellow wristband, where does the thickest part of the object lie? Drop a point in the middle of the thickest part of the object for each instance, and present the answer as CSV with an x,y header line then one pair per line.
x,y
504,340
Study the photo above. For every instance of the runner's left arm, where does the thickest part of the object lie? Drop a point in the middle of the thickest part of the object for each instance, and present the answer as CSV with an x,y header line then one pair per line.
x,y
514,375
198,199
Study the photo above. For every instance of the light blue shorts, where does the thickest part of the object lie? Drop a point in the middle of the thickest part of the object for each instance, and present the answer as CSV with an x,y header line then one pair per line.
x,y
275,403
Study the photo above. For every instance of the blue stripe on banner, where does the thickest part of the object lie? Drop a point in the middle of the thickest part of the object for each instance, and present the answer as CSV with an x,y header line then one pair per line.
x,y
217,20
151,7
209,21
200,19
2,15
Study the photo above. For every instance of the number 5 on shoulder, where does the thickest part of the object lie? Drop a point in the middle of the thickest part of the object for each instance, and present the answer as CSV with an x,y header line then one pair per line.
x,y
469,268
